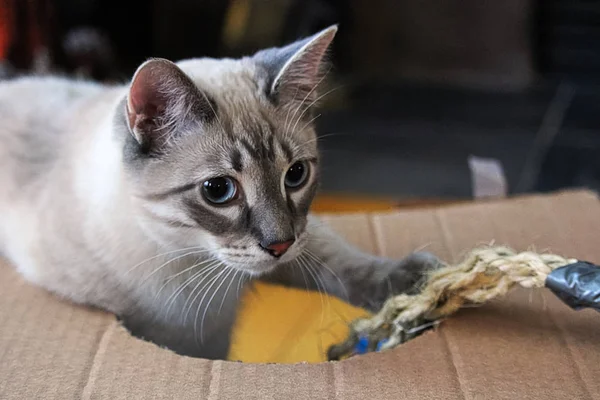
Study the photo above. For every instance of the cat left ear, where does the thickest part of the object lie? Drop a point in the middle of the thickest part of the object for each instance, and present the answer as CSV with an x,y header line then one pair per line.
x,y
295,70
162,101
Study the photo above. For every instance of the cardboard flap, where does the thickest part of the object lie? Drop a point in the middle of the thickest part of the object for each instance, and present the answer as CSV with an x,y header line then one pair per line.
x,y
47,346
528,345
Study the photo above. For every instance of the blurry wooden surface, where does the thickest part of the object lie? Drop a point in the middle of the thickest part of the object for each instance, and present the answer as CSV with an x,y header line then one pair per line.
x,y
337,203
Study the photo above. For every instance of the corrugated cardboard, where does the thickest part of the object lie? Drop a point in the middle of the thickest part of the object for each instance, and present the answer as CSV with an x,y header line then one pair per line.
x,y
526,346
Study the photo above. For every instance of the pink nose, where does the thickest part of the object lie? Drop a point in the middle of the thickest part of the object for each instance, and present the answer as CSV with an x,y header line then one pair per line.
x,y
278,249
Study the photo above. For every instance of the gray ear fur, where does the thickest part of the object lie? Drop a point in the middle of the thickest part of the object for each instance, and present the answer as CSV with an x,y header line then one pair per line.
x,y
295,70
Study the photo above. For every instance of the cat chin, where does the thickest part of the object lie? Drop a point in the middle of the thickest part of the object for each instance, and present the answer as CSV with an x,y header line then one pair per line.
x,y
256,269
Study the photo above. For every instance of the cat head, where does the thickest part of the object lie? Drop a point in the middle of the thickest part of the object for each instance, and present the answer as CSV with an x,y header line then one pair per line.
x,y
222,154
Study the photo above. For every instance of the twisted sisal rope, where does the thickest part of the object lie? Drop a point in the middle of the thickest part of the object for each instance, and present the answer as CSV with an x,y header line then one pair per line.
x,y
486,273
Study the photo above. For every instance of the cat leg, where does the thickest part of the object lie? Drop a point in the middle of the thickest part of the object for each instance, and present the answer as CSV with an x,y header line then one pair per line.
x,y
330,264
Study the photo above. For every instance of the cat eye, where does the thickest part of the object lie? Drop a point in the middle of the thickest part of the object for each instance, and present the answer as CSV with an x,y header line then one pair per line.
x,y
219,190
296,175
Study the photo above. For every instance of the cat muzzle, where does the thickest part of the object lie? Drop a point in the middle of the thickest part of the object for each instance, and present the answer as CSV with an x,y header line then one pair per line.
x,y
277,249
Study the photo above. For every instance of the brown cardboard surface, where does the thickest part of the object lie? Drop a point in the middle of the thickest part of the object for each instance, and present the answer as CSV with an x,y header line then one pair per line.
x,y
528,345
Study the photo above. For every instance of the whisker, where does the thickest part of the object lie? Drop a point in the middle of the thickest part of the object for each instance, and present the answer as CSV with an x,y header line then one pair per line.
x,y
233,278
214,112
316,139
303,275
320,278
312,274
170,279
311,104
309,122
144,280
324,265
227,270
198,292
240,284
195,293
171,299
318,222
324,240
305,98
422,247
290,109
202,273
162,255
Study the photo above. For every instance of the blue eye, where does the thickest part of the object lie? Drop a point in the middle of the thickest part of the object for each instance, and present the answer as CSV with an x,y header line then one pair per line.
x,y
296,175
219,190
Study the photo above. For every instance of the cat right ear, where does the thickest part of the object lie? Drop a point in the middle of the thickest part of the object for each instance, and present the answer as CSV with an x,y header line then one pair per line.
x,y
296,70
162,102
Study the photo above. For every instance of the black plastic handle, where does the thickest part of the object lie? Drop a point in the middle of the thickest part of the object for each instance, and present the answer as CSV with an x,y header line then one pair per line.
x,y
578,285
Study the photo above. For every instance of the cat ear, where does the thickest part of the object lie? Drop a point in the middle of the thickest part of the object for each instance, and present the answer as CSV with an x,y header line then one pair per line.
x,y
162,101
295,70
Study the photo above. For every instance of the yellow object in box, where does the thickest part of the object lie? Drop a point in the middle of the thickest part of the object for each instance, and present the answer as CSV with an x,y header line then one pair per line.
x,y
283,325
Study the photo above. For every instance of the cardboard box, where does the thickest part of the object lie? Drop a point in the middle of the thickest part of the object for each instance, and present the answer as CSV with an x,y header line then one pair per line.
x,y
528,345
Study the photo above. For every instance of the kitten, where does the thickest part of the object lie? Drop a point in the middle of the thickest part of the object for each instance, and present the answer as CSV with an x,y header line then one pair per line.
x,y
158,201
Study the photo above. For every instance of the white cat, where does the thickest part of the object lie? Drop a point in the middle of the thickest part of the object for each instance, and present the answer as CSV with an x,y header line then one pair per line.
x,y
158,200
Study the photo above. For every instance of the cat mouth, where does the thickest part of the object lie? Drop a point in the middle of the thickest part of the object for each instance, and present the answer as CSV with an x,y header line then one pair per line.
x,y
254,268
258,262
257,266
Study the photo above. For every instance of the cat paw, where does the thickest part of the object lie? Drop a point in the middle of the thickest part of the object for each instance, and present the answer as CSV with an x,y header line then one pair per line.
x,y
410,273
402,276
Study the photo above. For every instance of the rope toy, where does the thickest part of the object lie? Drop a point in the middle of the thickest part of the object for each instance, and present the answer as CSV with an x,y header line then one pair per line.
x,y
485,274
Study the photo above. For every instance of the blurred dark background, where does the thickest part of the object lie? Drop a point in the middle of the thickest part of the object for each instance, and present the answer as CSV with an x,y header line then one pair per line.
x,y
420,85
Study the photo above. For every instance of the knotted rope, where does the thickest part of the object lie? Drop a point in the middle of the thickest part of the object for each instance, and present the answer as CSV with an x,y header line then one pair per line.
x,y
486,273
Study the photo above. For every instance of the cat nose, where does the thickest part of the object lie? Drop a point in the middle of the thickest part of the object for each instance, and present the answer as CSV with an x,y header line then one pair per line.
x,y
277,249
